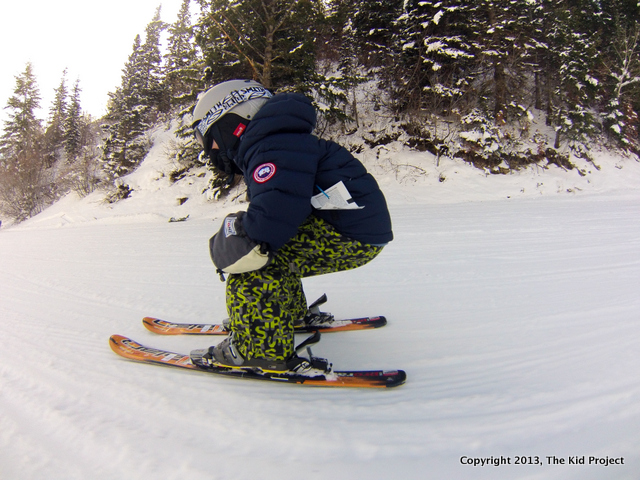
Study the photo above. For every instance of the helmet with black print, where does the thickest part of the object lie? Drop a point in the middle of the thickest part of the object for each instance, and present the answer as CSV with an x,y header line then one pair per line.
x,y
222,114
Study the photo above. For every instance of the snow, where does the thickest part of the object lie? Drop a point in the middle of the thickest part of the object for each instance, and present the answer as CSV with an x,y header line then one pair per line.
x,y
512,303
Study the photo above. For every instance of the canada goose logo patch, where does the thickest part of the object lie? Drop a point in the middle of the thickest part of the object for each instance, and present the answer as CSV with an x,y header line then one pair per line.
x,y
264,172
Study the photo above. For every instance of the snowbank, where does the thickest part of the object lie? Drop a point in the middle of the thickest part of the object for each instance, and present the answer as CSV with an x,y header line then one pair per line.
x,y
405,175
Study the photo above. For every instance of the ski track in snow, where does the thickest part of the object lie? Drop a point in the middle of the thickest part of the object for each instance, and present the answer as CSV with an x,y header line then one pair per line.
x,y
516,321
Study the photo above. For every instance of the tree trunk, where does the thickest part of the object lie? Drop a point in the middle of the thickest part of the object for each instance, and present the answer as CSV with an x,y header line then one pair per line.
x,y
267,63
500,88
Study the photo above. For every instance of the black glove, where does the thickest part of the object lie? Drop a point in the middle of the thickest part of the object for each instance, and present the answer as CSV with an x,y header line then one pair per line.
x,y
232,251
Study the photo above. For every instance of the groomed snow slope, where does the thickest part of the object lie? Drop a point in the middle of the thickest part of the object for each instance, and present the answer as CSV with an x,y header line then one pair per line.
x,y
515,318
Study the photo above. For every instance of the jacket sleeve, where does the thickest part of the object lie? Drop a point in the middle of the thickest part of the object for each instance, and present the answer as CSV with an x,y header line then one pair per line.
x,y
280,176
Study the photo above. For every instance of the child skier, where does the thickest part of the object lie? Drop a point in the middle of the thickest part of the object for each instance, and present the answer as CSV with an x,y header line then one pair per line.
x,y
313,209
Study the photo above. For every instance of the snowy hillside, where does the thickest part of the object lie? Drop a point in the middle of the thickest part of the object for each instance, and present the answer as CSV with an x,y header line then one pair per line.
x,y
512,303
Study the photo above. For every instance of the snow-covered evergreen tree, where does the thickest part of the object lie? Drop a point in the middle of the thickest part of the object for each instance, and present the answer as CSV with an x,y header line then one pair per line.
x,y
23,130
183,64
373,29
133,107
25,182
127,116
271,42
54,133
221,43
621,42
573,59
82,172
434,55
73,126
151,70
503,38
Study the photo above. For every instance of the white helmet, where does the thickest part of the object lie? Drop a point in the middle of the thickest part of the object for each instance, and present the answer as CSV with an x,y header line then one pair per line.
x,y
242,97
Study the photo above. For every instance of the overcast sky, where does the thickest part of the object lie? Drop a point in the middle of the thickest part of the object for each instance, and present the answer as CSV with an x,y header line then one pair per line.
x,y
92,39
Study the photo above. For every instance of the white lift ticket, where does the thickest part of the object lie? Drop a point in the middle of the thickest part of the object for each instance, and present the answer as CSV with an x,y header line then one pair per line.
x,y
334,198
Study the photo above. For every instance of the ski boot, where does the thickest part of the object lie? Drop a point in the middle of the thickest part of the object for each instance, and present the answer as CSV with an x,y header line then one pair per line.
x,y
226,355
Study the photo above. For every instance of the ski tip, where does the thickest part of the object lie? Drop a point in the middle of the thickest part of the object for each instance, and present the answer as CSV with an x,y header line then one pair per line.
x,y
116,342
393,378
151,323
161,327
399,378
368,322
115,339
151,320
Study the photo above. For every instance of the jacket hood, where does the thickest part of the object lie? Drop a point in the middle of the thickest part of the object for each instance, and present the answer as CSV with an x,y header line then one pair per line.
x,y
284,113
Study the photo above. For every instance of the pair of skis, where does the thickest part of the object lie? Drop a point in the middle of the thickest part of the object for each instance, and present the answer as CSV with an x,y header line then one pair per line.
x,y
133,350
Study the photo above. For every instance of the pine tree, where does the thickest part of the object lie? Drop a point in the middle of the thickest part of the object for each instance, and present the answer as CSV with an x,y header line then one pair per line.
x,y
151,71
23,130
54,134
223,58
434,67
340,36
503,38
81,172
128,117
621,42
268,41
25,184
459,55
183,65
295,49
572,61
373,29
73,126
133,107
337,47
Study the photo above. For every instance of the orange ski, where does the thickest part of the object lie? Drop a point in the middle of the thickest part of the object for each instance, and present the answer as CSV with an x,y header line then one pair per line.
x,y
163,327
133,350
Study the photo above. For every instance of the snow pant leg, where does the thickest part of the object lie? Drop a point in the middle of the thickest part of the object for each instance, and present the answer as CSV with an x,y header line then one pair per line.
x,y
318,249
260,309
264,304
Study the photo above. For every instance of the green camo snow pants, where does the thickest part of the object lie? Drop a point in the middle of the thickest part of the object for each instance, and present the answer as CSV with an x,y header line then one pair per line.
x,y
263,305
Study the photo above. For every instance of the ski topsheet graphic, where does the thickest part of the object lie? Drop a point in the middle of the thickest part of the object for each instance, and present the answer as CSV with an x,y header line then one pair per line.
x,y
314,321
163,327
133,350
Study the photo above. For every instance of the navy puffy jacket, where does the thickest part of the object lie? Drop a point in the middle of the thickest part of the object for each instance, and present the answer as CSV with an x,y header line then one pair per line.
x,y
283,166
